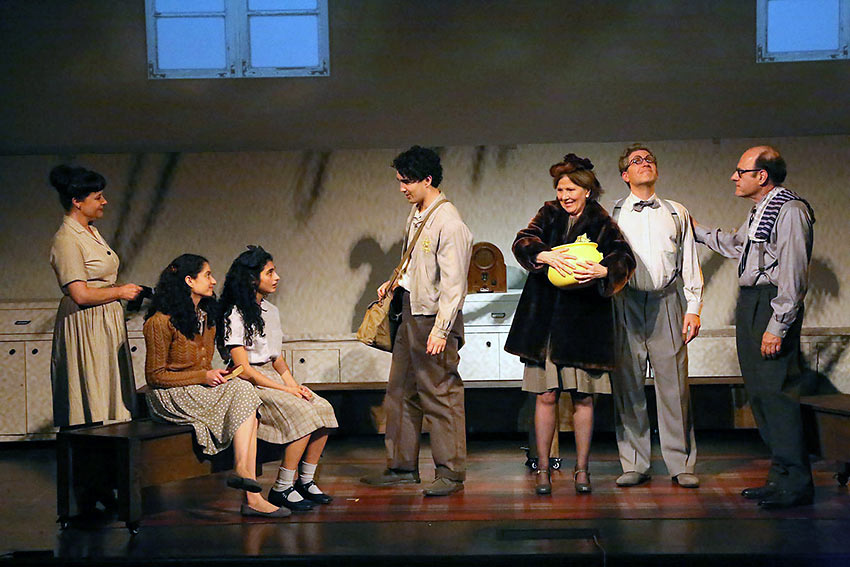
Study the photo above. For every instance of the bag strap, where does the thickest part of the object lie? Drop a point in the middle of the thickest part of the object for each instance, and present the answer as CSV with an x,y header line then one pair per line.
x,y
401,265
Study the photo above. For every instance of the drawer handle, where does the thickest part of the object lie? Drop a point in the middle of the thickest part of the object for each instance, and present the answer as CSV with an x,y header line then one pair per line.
x,y
12,351
301,360
23,321
488,344
497,315
35,351
134,349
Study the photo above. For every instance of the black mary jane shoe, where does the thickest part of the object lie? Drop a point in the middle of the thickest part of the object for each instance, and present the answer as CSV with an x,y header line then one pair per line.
x,y
281,499
304,491
544,482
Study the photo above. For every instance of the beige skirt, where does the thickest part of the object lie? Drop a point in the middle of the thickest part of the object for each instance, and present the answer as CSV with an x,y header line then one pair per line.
x,y
90,368
538,379
285,417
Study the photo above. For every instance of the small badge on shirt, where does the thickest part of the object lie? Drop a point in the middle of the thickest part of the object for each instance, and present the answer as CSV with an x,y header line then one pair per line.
x,y
426,245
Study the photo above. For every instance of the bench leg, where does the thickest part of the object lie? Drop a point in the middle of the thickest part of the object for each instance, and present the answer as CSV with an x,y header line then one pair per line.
x,y
63,480
843,473
129,484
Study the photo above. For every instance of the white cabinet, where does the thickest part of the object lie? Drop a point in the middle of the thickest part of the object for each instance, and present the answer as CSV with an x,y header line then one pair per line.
x,y
39,406
13,388
487,318
316,366
479,357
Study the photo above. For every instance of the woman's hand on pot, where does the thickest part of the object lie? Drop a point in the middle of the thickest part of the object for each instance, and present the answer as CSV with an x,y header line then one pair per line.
x,y
588,270
558,260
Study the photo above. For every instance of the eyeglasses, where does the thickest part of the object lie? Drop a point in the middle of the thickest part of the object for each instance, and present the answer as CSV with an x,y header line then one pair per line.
x,y
741,172
640,159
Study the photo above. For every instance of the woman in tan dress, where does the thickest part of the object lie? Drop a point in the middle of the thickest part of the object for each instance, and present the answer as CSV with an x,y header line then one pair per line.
x,y
184,387
250,335
90,370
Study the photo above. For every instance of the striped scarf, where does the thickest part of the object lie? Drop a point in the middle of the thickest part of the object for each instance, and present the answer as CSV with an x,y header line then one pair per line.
x,y
765,215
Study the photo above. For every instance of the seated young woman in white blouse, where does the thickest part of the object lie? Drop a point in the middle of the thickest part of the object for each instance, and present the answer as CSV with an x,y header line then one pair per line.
x,y
250,335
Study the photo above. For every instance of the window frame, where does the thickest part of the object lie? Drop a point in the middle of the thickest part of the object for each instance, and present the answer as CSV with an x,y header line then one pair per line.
x,y
237,44
765,56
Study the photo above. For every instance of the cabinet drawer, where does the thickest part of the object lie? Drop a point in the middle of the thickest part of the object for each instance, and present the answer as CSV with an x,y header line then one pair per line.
x,y
510,366
713,356
316,366
13,389
495,313
16,321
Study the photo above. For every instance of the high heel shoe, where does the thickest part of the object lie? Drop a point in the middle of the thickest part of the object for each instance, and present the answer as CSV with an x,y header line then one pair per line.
x,y
582,487
544,482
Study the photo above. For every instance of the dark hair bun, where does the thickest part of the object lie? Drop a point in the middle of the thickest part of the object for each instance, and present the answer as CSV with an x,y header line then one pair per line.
x,y
578,162
60,177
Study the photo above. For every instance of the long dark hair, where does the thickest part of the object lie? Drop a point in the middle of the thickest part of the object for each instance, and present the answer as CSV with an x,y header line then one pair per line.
x,y
174,298
240,291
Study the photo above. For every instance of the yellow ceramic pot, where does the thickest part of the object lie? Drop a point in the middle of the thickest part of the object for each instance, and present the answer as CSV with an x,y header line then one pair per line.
x,y
584,250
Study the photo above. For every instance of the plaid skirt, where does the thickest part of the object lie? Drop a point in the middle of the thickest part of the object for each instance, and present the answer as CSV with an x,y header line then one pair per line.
x,y
285,417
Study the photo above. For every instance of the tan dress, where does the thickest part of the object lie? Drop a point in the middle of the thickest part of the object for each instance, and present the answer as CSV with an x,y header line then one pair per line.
x,y
90,369
537,379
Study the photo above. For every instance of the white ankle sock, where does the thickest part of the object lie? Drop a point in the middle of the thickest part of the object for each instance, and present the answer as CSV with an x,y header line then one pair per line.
x,y
285,479
307,473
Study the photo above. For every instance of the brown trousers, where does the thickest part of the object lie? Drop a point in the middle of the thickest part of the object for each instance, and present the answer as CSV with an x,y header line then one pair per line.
x,y
424,385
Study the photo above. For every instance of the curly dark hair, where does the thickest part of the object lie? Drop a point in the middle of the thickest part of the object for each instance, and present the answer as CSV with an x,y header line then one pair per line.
x,y
240,291
75,183
417,163
580,172
173,297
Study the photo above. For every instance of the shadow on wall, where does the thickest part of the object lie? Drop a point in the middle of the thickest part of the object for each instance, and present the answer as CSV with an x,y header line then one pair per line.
x,y
310,183
368,251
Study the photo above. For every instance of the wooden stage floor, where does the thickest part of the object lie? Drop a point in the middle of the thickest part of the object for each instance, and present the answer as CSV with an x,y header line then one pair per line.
x,y
496,520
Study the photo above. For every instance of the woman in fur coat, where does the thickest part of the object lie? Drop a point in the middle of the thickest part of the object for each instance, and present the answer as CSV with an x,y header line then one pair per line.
x,y
565,336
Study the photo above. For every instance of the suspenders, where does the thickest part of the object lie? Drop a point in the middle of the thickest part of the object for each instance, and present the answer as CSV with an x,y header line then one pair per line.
x,y
615,214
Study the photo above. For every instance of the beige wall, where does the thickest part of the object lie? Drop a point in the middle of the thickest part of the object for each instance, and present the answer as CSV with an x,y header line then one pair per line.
x,y
333,221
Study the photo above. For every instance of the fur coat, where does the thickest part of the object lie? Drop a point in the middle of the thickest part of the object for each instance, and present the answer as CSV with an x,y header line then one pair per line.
x,y
574,325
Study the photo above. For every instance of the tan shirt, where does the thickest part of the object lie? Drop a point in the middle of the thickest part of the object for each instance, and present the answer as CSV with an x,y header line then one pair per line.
x,y
80,255
173,360
438,267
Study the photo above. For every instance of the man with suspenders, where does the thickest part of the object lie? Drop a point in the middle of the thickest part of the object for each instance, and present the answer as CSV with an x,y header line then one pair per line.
x,y
654,326
773,248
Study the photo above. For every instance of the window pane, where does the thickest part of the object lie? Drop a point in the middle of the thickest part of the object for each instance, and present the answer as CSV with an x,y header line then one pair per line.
x,y
284,41
190,43
802,25
182,6
282,4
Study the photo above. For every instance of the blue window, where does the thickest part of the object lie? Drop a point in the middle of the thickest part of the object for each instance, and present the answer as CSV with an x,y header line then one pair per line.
x,y
190,39
802,30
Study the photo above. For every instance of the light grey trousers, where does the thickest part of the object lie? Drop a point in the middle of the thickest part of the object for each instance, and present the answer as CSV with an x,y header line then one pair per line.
x,y
649,329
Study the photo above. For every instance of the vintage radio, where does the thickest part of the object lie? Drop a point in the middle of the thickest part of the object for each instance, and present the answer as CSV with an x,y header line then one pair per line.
x,y
487,272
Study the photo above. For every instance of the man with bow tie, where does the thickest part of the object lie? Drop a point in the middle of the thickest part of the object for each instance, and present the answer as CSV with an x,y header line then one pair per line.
x,y
658,314
774,249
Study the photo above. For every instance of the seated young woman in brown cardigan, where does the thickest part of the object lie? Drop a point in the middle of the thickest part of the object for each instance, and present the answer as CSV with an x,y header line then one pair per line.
x,y
184,388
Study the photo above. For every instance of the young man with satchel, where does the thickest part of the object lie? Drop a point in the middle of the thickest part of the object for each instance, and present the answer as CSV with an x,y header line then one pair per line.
x,y
431,287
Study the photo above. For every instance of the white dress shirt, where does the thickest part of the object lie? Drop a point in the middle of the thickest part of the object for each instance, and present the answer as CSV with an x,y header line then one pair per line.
x,y
652,235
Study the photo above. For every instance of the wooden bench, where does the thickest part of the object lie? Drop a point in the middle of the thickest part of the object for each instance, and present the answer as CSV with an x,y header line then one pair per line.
x,y
829,417
128,457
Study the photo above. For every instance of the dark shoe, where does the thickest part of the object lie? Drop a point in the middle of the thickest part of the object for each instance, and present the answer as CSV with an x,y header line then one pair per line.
x,y
391,477
544,482
249,512
686,480
786,499
279,498
242,483
632,478
304,491
582,487
443,487
759,492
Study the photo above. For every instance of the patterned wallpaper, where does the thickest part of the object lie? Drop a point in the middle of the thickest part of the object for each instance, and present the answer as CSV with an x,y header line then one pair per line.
x,y
333,220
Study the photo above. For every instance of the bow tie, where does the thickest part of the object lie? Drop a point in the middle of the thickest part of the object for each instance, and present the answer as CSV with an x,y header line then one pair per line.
x,y
638,207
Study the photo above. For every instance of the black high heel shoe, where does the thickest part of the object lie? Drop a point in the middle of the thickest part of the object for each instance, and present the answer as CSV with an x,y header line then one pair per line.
x,y
582,487
544,482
